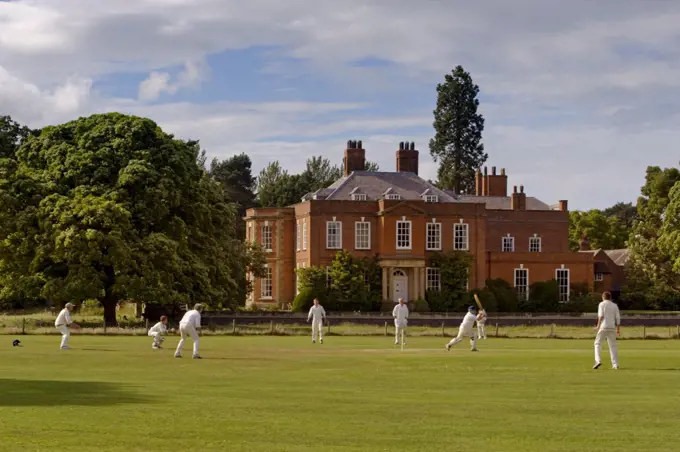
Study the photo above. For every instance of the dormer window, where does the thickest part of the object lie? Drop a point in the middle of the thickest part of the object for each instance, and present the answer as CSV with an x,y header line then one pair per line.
x,y
393,196
431,198
359,197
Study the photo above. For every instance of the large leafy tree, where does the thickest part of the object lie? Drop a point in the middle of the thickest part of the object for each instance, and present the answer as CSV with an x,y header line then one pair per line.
x,y
236,177
12,135
603,231
112,208
457,144
654,240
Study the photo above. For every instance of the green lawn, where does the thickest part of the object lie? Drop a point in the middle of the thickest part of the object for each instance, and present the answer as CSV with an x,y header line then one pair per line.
x,y
350,394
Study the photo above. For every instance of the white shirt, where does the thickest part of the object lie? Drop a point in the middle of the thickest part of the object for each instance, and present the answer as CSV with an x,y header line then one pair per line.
x,y
192,317
400,314
610,313
64,318
159,328
481,318
468,321
317,312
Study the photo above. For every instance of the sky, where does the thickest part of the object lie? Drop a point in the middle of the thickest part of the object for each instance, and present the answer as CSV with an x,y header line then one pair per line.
x,y
579,97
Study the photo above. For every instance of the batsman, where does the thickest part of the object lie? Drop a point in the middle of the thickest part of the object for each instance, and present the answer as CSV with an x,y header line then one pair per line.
x,y
467,327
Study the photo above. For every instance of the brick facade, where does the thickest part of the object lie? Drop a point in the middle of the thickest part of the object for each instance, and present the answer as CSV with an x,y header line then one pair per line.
x,y
484,223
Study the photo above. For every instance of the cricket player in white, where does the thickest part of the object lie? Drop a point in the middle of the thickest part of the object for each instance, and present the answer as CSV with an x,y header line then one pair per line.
x,y
317,314
188,326
481,324
63,323
157,332
466,329
608,327
400,314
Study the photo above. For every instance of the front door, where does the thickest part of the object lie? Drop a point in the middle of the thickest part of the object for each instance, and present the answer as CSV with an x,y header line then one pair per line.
x,y
399,285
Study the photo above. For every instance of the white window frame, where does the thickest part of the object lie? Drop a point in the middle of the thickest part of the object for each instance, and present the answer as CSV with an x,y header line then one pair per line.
x,y
564,292
359,197
366,236
522,291
393,196
267,237
535,240
464,228
304,234
402,222
298,233
599,277
337,238
511,240
431,198
267,284
436,243
433,279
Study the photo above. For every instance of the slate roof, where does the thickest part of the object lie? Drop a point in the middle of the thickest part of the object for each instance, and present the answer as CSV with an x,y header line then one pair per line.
x,y
374,184
504,203
620,257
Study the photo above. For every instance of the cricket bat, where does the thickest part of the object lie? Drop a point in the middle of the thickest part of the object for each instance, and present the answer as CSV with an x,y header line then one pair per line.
x,y
479,303
402,340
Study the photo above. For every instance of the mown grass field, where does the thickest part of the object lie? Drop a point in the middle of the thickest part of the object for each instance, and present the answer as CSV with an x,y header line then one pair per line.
x,y
271,393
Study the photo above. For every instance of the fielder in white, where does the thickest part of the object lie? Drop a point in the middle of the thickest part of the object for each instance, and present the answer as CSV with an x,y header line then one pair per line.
x,y
63,323
608,327
400,314
466,329
317,314
188,327
157,332
481,324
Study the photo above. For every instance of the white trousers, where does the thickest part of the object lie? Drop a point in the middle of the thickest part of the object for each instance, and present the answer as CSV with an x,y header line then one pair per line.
x,y
187,330
398,328
481,330
65,334
317,329
461,334
156,337
610,336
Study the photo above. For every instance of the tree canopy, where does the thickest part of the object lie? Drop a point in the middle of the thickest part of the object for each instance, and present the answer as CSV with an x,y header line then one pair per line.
x,y
276,187
654,242
457,144
110,207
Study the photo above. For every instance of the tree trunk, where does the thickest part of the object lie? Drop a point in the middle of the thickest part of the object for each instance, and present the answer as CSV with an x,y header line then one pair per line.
x,y
109,304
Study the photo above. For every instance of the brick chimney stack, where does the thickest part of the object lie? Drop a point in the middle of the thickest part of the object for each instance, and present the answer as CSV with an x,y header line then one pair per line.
x,y
355,157
496,184
518,200
407,158
478,182
564,205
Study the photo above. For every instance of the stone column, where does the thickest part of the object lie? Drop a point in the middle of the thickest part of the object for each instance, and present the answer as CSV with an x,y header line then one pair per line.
x,y
385,283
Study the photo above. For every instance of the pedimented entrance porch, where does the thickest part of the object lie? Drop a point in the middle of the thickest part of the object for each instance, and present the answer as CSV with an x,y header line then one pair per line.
x,y
403,278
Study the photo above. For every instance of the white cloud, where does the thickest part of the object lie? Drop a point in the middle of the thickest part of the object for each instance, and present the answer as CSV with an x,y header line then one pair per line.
x,y
161,82
579,96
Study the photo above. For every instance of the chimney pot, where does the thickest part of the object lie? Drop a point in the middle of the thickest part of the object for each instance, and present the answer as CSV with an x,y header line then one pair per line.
x,y
485,171
360,145
493,170
413,146
502,171
514,189
521,188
